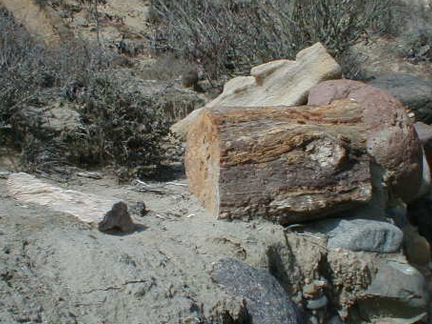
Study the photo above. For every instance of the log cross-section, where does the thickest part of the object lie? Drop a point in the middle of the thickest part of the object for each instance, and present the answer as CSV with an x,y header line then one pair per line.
x,y
285,164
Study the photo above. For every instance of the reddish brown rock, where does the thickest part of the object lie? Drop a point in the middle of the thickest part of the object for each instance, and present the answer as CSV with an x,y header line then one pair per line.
x,y
286,164
391,140
117,218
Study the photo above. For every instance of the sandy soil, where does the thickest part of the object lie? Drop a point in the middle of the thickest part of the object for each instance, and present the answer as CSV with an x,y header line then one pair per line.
x,y
57,269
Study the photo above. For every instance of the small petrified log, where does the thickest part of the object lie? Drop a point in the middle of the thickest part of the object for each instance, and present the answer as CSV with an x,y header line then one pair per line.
x,y
286,164
117,218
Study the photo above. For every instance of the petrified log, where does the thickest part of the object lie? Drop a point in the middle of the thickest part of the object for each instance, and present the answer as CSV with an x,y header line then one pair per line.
x,y
286,164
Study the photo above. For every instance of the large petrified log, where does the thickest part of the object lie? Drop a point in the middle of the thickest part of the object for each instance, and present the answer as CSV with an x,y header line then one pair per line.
x,y
286,164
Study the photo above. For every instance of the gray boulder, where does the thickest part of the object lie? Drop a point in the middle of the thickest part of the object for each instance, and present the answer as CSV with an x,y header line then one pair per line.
x,y
266,300
414,92
362,235
401,288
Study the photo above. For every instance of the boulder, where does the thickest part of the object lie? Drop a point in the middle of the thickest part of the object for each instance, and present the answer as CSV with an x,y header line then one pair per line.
x,y
415,93
391,138
281,82
266,300
362,235
397,290
285,164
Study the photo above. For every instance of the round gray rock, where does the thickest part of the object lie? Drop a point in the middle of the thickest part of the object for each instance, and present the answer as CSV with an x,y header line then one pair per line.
x,y
362,235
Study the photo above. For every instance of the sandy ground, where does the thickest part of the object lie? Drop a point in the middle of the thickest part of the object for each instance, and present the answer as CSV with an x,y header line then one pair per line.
x,y
57,269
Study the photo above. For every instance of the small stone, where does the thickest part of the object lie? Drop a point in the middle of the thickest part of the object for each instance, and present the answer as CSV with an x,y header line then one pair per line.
x,y
4,175
313,320
309,291
320,283
91,175
424,50
335,320
317,303
117,218
142,208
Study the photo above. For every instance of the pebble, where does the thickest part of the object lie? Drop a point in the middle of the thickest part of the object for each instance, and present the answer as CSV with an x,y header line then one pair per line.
x,y
309,290
335,320
91,175
317,303
313,320
4,175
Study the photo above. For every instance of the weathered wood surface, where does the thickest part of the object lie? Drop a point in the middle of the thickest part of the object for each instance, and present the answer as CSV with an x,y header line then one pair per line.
x,y
286,164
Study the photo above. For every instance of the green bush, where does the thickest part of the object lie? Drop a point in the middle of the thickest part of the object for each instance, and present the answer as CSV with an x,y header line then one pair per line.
x,y
234,34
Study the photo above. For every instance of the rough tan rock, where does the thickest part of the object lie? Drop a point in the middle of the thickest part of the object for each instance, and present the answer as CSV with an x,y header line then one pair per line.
x,y
391,140
282,82
286,164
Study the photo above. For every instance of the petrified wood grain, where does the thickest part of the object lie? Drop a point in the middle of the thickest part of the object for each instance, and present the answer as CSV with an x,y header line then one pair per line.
x,y
286,164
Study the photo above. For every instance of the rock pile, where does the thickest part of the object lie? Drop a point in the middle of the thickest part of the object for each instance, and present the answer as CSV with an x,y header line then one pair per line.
x,y
350,158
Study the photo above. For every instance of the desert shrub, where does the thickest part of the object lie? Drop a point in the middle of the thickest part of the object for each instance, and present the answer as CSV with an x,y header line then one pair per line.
x,y
416,34
118,128
166,67
18,76
28,70
235,34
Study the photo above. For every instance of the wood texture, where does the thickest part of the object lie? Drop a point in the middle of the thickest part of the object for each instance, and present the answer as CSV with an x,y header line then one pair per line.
x,y
286,164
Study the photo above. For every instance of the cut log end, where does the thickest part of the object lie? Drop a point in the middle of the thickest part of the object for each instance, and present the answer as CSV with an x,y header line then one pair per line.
x,y
285,164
